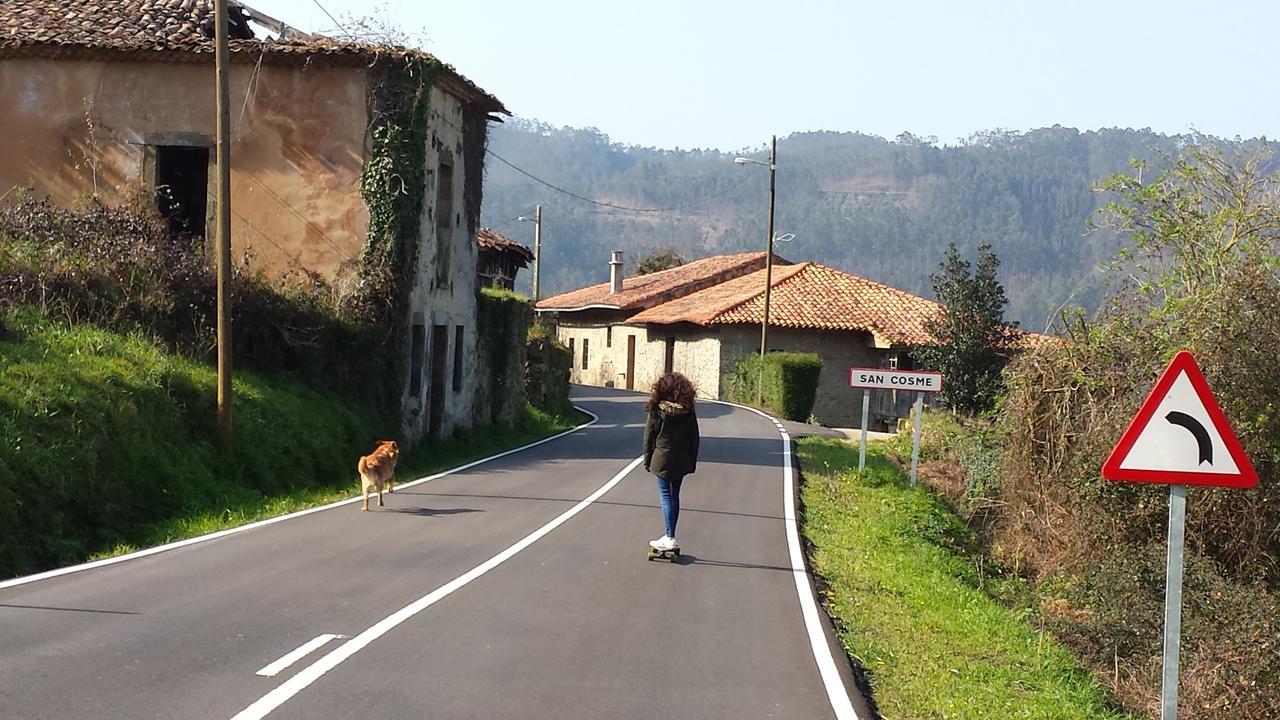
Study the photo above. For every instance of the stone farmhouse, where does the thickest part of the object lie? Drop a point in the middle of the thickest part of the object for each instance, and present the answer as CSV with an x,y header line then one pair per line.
x,y
109,97
699,319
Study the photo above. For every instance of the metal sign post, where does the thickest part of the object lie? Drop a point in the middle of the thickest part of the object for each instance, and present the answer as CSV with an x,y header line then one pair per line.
x,y
1173,602
878,379
915,437
1179,436
866,409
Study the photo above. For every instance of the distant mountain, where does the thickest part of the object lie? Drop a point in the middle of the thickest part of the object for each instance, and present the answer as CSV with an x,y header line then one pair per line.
x,y
874,207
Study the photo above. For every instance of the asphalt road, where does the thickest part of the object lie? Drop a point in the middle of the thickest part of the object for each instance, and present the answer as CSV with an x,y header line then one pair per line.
x,y
492,593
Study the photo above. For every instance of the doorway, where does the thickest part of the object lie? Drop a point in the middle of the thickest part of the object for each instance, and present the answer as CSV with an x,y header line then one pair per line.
x,y
631,362
182,187
439,358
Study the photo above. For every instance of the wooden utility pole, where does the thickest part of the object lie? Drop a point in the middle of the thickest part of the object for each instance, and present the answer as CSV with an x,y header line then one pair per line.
x,y
223,231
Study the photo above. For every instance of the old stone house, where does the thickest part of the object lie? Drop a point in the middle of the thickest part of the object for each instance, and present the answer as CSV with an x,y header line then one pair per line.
x,y
336,147
500,259
701,318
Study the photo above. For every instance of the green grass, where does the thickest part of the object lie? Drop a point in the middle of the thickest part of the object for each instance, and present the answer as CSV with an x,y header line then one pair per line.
x,y
108,446
911,607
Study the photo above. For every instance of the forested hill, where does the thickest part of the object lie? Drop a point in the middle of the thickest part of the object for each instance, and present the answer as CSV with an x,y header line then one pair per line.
x,y
877,208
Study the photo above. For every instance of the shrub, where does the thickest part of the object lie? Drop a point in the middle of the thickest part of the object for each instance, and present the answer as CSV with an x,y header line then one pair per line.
x,y
790,383
502,318
119,268
1200,274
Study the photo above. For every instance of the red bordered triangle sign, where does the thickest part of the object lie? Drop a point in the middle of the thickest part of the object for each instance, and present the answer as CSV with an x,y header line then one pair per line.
x,y
1180,436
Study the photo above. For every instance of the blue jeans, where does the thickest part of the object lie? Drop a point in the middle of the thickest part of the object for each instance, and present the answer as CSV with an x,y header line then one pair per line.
x,y
669,491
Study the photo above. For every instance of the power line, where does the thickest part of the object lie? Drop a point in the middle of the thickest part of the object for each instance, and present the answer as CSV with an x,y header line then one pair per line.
x,y
331,17
576,196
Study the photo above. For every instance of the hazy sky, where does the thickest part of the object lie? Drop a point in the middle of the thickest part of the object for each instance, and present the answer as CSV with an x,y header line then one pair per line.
x,y
722,74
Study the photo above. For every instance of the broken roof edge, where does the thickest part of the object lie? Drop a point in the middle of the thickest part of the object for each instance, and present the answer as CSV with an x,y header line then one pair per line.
x,y
325,51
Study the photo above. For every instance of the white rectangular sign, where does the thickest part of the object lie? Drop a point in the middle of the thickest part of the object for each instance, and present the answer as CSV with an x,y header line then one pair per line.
x,y
872,378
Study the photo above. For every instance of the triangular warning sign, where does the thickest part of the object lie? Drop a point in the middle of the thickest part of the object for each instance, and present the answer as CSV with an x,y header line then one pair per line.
x,y
1180,436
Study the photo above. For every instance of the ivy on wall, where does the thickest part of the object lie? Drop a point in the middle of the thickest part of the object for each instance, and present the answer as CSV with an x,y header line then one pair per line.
x,y
502,319
393,185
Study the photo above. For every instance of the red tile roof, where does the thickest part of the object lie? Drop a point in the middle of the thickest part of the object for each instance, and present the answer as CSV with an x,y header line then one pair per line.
x,y
805,296
497,242
179,30
645,291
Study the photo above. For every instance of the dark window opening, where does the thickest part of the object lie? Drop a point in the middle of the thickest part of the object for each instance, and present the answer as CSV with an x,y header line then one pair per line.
x,y
571,352
457,359
415,360
444,219
182,187
608,337
584,353
669,362
439,356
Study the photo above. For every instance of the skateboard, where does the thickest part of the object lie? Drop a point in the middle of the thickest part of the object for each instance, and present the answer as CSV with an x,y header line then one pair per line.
x,y
673,554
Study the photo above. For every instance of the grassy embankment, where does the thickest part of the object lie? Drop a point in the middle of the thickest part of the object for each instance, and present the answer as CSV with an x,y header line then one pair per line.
x,y
917,611
108,446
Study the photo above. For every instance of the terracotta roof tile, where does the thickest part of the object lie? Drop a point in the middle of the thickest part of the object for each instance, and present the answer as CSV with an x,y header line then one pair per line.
x,y
807,296
644,291
497,242
182,29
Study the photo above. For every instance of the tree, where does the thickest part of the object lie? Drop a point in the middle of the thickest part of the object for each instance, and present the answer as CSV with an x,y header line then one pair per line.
x,y
659,260
974,342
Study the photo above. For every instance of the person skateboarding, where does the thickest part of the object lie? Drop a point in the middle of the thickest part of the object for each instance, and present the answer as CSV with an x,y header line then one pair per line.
x,y
670,448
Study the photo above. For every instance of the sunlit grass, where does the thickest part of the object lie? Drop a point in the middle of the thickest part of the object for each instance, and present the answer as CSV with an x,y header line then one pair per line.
x,y
911,606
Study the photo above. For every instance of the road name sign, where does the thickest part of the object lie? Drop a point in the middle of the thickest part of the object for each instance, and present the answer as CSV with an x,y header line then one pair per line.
x,y
869,379
1180,436
873,379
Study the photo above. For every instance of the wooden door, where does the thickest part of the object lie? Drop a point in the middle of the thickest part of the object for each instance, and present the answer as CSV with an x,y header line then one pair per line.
x,y
631,362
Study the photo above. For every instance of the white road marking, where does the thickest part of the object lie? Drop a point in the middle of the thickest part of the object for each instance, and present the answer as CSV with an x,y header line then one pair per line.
x,y
271,521
837,694
306,649
282,693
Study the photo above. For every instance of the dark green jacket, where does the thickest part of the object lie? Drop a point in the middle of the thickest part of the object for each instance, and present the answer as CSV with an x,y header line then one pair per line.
x,y
671,441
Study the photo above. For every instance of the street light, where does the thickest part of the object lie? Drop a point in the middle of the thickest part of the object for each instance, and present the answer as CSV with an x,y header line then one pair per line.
x,y
537,247
768,257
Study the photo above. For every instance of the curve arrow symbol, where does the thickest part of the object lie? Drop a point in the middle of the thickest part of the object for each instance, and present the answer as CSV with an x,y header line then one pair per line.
x,y
1195,428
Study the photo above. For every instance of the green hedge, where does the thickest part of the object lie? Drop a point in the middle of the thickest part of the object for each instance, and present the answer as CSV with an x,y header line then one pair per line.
x,y
503,319
790,383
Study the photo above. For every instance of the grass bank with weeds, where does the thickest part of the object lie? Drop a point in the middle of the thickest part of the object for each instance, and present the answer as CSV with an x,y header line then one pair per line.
x,y
917,611
108,445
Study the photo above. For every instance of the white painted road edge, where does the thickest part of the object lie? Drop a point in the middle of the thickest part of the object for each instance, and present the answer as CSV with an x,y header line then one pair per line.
x,y
286,690
837,693
271,521
306,649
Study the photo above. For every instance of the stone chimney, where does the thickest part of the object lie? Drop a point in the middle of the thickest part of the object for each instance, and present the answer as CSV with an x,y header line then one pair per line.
x,y
615,273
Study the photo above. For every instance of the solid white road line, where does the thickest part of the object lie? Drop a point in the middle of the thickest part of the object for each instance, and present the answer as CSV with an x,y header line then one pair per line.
x,y
271,521
837,694
277,697
306,649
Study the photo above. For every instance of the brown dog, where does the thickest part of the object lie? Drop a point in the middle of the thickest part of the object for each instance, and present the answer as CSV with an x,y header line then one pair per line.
x,y
378,468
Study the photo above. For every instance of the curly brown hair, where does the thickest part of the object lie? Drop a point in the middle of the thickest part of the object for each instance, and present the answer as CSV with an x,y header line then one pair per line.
x,y
672,387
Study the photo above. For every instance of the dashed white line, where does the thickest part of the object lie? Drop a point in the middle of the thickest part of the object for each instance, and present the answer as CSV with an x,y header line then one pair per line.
x,y
304,650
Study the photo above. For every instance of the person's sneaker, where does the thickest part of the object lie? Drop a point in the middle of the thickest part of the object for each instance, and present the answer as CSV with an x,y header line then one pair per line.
x,y
664,543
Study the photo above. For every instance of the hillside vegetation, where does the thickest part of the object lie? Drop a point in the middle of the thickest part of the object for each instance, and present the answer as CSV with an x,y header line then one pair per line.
x,y
874,207
1200,271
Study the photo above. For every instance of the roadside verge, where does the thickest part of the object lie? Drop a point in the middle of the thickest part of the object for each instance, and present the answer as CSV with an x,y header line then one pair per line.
x,y
908,602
